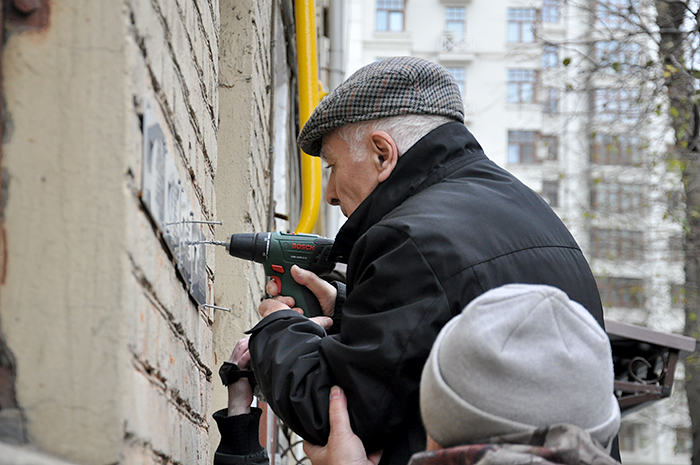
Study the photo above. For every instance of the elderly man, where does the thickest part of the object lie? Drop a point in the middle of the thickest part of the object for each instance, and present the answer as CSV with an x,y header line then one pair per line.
x,y
432,224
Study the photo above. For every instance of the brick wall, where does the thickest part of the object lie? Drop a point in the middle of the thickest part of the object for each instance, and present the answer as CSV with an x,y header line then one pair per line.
x,y
115,361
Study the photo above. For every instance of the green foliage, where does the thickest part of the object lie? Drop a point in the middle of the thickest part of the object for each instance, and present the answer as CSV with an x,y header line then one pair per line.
x,y
566,61
616,66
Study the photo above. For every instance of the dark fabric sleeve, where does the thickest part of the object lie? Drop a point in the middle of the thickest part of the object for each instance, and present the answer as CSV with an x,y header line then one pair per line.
x,y
390,319
239,439
338,309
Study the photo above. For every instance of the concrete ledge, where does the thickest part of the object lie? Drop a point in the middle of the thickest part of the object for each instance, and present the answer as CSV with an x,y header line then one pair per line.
x,y
18,455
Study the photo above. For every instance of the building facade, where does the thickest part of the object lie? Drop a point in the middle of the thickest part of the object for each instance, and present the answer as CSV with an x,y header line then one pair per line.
x,y
132,131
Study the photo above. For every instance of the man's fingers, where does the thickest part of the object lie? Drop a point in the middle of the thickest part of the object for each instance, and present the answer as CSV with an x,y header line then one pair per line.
x,y
338,413
323,290
286,300
240,355
271,288
269,306
309,279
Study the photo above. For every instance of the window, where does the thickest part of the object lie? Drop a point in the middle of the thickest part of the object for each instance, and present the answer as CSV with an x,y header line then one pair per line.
x,y
614,197
521,147
616,14
460,76
550,192
551,145
521,85
621,292
676,244
614,56
550,57
684,441
633,437
522,24
454,20
611,149
390,15
675,202
617,244
550,11
615,105
677,292
551,105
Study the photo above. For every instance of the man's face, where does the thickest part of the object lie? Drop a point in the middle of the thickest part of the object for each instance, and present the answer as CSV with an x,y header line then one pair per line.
x,y
352,176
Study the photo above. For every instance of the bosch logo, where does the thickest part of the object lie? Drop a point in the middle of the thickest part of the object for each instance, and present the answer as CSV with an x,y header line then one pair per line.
x,y
308,247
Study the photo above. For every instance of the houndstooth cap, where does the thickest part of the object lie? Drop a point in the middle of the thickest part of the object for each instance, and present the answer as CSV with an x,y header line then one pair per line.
x,y
390,87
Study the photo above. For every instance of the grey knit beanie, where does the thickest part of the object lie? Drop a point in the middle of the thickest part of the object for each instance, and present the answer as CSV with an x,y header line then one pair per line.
x,y
518,358
390,87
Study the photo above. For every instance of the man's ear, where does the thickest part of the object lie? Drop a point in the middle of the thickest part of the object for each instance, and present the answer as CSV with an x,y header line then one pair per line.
x,y
384,153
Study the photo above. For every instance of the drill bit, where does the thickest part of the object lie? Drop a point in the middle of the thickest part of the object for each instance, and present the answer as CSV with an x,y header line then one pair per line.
x,y
222,243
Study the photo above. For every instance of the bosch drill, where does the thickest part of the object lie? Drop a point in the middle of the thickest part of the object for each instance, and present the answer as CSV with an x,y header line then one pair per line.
x,y
278,251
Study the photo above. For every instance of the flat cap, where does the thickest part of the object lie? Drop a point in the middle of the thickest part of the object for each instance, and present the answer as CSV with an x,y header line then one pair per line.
x,y
390,87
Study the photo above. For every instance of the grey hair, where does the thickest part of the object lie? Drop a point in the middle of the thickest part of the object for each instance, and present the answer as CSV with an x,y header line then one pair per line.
x,y
406,130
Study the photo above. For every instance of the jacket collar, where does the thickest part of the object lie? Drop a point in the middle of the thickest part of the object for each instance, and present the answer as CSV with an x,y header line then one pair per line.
x,y
426,163
561,444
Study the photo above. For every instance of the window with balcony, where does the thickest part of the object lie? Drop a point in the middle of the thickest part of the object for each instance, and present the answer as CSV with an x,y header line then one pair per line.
x,y
390,15
455,17
617,244
522,25
550,11
622,149
521,85
550,56
521,147
621,292
550,192
615,197
460,76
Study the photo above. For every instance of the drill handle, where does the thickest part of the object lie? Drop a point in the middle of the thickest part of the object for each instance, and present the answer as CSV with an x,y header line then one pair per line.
x,y
303,297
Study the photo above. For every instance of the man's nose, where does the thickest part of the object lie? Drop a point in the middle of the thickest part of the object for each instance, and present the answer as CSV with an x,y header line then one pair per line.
x,y
331,196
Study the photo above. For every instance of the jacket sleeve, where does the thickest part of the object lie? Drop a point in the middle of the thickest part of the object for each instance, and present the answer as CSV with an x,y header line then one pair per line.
x,y
391,316
239,439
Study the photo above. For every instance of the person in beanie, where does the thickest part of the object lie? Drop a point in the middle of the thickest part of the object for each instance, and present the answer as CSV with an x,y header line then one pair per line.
x,y
522,375
432,224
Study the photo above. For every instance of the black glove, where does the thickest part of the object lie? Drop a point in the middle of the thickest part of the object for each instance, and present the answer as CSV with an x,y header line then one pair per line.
x,y
230,373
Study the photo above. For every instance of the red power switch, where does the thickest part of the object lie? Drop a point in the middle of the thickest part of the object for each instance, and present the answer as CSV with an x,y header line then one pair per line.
x,y
278,268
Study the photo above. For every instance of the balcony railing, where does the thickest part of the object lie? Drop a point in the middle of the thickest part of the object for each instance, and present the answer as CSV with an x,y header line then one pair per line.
x,y
452,43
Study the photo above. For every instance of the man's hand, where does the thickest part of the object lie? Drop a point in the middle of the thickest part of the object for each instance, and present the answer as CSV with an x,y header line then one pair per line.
x,y
344,447
240,395
323,290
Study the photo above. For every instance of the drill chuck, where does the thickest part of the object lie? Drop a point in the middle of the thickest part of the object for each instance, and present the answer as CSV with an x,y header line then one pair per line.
x,y
250,246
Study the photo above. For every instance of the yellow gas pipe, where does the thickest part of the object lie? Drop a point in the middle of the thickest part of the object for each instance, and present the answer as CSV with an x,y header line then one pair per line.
x,y
305,15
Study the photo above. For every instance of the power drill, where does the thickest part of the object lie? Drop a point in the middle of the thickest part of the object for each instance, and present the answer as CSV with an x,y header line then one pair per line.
x,y
278,251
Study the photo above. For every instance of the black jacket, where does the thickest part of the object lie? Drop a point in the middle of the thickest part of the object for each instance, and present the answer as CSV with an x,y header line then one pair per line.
x,y
445,227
